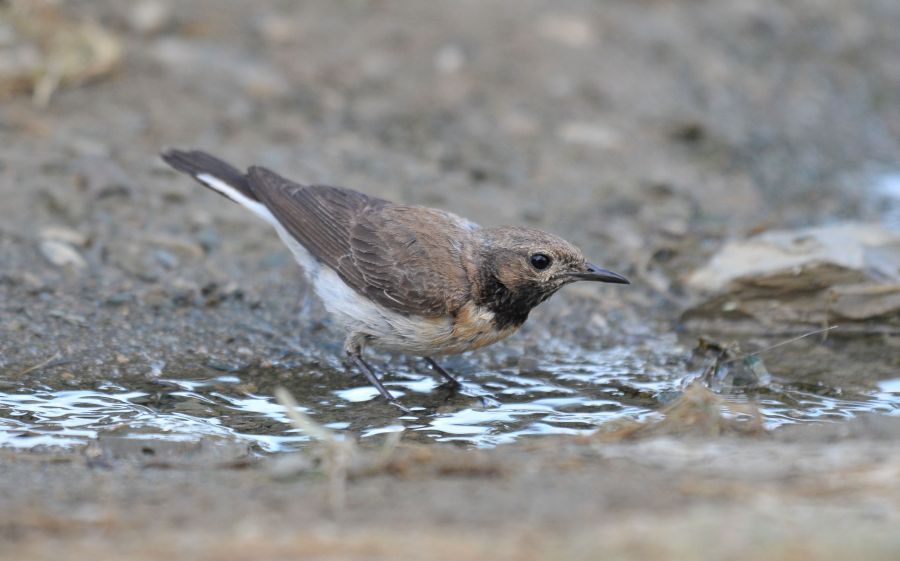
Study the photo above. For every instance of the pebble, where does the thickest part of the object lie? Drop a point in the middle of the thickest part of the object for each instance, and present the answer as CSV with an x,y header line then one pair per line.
x,y
149,17
182,291
223,366
88,147
62,254
131,258
449,59
156,297
263,82
518,123
208,238
589,134
119,299
166,259
278,30
568,30
59,203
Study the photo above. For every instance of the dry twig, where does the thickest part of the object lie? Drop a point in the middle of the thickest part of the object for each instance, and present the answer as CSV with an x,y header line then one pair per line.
x,y
339,453
39,365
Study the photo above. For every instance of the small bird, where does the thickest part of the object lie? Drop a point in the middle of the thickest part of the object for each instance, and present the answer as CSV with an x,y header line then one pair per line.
x,y
399,277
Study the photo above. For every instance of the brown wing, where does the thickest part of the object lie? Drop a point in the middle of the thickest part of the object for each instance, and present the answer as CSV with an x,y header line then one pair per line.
x,y
409,259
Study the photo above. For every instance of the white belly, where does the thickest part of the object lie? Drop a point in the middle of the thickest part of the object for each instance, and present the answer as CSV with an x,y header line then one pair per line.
x,y
382,328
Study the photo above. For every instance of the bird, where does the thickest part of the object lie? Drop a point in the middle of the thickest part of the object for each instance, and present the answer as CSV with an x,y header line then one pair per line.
x,y
402,277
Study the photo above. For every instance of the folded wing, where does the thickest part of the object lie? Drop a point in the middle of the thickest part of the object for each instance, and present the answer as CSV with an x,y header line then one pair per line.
x,y
412,260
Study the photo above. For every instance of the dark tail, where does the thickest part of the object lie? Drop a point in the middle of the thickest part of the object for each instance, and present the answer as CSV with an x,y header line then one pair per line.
x,y
197,163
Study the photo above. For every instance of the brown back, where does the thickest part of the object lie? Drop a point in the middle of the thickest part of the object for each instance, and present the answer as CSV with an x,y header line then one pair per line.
x,y
413,260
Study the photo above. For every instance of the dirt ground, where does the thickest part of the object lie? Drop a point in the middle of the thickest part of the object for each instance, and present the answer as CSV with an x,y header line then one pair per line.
x,y
646,132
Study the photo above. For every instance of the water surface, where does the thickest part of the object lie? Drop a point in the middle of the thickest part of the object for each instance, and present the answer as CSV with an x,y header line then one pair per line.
x,y
567,390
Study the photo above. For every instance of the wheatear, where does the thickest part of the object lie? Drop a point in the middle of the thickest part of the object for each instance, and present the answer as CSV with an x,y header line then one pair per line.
x,y
399,277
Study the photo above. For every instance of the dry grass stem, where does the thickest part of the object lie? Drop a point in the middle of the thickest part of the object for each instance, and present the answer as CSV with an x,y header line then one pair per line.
x,y
39,365
338,452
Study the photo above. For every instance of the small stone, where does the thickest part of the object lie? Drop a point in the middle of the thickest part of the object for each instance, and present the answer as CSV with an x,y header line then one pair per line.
x,y
131,258
167,259
89,148
32,283
119,299
183,292
59,204
376,64
149,17
587,134
155,298
222,366
209,238
200,219
449,59
518,123
176,245
277,30
62,254
264,82
565,29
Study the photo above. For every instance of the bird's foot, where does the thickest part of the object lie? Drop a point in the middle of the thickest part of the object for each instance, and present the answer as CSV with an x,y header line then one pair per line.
x,y
400,406
373,379
451,382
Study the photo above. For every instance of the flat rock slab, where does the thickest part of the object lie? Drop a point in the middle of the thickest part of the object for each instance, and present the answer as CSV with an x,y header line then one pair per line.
x,y
794,280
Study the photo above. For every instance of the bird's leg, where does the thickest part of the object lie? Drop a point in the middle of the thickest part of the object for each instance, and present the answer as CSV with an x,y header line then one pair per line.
x,y
444,374
370,376
354,353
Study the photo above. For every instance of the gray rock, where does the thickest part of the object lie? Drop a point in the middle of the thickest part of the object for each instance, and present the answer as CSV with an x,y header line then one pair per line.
x,y
62,254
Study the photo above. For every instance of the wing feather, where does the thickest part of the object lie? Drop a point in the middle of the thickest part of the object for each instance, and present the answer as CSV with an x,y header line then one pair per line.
x,y
406,258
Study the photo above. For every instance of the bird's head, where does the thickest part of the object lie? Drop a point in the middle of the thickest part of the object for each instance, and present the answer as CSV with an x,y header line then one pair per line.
x,y
522,267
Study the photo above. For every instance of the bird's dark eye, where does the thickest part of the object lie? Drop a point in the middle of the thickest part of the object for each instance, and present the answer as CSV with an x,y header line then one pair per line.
x,y
540,261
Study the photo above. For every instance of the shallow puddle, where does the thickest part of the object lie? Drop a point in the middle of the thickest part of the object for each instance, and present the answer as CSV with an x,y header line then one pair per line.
x,y
566,391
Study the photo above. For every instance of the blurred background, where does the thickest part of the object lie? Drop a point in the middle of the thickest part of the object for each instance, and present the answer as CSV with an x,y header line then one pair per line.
x,y
739,161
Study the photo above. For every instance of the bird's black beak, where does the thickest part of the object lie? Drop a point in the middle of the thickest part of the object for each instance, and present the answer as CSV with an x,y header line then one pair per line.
x,y
595,273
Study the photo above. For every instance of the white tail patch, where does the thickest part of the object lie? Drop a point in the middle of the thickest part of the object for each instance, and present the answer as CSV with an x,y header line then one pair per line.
x,y
256,207
306,260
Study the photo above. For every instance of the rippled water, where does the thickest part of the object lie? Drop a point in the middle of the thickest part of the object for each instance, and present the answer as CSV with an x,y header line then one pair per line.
x,y
567,391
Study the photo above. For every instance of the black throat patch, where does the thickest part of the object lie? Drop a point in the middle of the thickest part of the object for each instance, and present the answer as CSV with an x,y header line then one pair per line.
x,y
510,307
